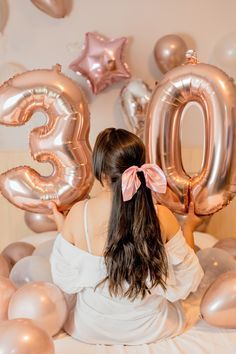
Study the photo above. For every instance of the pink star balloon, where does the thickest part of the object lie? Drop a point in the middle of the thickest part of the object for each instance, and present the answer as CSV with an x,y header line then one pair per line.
x,y
101,61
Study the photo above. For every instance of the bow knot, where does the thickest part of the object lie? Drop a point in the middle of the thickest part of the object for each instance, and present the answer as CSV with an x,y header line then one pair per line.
x,y
154,178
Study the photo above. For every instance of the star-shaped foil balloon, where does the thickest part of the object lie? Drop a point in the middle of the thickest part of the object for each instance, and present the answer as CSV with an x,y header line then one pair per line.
x,y
101,61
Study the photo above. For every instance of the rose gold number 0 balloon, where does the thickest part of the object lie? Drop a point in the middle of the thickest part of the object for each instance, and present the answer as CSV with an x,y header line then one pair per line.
x,y
63,141
210,87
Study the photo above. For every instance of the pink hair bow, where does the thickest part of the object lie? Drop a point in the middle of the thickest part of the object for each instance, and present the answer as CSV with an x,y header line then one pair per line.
x,y
154,177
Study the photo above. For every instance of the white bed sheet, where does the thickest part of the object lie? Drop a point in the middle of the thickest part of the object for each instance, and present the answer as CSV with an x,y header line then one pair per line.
x,y
200,339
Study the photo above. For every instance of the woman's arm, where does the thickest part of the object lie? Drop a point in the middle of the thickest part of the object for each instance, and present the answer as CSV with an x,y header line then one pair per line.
x,y
170,225
192,221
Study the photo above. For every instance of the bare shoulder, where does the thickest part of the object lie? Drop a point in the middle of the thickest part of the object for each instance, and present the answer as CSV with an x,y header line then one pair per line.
x,y
168,222
76,209
71,221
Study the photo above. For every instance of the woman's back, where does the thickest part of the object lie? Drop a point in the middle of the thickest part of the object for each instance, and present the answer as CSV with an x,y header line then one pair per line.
x,y
94,214
113,253
100,318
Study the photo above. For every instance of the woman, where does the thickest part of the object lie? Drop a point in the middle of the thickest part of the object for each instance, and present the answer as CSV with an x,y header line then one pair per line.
x,y
127,260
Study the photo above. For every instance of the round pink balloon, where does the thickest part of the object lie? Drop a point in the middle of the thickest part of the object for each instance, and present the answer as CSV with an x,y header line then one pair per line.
x,y
17,250
169,52
228,245
40,222
7,289
42,302
218,305
23,336
4,267
44,249
30,269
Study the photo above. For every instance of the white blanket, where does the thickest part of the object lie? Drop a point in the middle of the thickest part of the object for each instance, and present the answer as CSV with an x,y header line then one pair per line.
x,y
201,339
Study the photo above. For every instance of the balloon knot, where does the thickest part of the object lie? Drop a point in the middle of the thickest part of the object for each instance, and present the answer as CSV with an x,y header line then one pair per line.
x,y
57,68
191,57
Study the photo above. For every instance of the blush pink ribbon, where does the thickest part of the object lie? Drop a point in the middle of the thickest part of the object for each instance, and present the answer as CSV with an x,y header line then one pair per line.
x,y
154,177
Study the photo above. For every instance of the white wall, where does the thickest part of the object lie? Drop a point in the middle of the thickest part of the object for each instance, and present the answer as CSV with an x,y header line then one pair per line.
x,y
35,40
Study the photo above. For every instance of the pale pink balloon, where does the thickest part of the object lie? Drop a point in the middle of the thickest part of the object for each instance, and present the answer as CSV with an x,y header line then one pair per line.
x,y
101,61
39,222
53,8
30,269
214,262
224,54
44,249
228,245
17,250
4,267
42,302
218,306
169,52
24,336
63,141
214,91
7,289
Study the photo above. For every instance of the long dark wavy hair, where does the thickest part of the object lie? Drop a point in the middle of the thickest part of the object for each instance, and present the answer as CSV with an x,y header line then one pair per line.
x,y
135,257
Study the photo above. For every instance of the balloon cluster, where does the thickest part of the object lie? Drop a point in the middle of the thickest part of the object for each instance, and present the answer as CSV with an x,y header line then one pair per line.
x,y
218,287
30,304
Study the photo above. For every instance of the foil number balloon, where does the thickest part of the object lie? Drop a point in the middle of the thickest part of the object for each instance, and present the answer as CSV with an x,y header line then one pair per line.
x,y
62,142
210,87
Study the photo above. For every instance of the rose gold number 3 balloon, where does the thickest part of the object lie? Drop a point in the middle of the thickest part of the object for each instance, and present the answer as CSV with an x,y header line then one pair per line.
x,y
63,141
215,92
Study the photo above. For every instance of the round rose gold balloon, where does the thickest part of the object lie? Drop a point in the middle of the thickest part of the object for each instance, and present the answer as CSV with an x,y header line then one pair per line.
x,y
214,91
4,266
53,8
23,336
30,269
228,245
42,302
218,306
3,14
39,222
169,52
62,141
7,289
17,250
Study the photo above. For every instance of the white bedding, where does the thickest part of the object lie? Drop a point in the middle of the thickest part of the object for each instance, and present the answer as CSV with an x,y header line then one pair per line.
x,y
201,339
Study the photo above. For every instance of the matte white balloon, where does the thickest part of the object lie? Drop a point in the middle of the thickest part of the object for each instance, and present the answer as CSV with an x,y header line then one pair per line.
x,y
8,70
224,54
214,262
31,269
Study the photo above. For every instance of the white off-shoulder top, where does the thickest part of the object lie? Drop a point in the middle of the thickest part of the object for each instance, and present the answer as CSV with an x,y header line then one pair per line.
x,y
97,317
